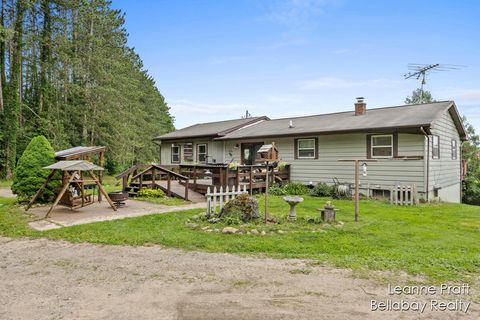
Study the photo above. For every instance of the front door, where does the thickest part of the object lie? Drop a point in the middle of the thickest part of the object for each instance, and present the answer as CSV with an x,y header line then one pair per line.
x,y
249,152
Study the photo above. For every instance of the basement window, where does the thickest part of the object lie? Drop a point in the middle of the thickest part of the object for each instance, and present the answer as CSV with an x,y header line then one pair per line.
x,y
435,147
382,146
454,150
175,153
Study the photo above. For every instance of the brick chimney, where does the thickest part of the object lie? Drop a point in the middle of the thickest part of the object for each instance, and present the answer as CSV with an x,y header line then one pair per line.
x,y
360,107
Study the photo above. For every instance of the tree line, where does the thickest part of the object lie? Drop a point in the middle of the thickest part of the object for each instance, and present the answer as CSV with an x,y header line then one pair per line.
x,y
66,72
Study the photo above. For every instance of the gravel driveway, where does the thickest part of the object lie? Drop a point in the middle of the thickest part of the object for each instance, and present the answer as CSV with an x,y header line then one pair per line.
x,y
44,279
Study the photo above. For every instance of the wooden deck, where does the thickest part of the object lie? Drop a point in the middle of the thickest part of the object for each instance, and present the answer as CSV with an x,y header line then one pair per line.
x,y
178,190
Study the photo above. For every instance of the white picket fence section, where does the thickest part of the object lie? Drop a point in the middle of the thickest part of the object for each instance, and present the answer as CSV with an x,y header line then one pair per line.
x,y
403,195
220,197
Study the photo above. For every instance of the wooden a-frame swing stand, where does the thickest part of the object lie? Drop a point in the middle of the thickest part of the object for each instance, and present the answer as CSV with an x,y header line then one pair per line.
x,y
72,177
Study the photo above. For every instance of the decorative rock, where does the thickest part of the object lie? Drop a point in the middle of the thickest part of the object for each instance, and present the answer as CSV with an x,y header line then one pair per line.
x,y
214,220
263,233
254,231
205,228
248,232
229,230
281,231
191,225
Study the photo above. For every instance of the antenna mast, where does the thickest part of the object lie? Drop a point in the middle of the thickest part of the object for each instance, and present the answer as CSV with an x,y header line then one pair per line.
x,y
419,71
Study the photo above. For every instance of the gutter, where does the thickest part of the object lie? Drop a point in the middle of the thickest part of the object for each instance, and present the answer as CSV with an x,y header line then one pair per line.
x,y
427,184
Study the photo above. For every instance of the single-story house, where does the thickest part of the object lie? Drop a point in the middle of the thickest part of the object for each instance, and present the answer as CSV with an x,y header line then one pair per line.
x,y
411,144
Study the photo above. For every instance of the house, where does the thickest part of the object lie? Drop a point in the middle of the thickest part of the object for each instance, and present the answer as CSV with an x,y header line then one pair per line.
x,y
412,144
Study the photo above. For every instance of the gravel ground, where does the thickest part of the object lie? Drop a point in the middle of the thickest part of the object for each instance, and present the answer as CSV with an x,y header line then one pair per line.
x,y
44,279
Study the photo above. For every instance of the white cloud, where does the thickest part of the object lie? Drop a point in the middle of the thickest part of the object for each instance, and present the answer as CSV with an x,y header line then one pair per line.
x,y
290,12
340,83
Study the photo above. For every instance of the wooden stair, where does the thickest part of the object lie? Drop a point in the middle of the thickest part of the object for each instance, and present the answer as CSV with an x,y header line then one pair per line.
x,y
176,190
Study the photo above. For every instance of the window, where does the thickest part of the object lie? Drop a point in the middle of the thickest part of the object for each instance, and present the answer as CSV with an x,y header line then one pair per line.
x,y
306,148
202,153
175,150
188,152
382,146
435,147
454,149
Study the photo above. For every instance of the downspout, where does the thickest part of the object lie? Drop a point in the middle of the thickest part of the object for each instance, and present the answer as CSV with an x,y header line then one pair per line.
x,y
427,183
461,170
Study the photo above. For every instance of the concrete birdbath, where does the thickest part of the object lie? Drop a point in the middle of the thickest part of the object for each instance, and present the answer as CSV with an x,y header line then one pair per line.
x,y
292,201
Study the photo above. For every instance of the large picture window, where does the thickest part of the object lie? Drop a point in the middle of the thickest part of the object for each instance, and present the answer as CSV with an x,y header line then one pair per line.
x,y
435,147
202,153
382,146
175,151
306,148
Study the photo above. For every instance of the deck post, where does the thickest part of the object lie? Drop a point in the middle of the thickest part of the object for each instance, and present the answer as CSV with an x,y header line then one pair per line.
x,y
153,177
251,180
237,178
195,178
186,189
168,184
140,182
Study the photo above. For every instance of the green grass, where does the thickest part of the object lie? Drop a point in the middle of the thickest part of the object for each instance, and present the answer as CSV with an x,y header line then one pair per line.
x,y
164,200
439,241
111,184
5,183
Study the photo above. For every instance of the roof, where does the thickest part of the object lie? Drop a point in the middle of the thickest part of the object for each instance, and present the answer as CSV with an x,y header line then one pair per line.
x,y
210,129
74,152
398,118
74,165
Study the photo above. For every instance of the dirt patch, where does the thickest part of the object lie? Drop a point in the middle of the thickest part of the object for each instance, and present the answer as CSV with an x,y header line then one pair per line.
x,y
44,279
6,193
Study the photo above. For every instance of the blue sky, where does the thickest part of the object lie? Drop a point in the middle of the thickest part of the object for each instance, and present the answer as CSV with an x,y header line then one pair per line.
x,y
212,60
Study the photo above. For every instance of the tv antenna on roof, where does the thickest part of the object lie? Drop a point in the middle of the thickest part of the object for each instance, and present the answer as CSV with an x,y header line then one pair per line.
x,y
247,115
419,71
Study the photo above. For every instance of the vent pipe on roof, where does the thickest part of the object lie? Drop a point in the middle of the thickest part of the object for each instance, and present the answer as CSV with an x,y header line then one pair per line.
x,y
290,124
360,107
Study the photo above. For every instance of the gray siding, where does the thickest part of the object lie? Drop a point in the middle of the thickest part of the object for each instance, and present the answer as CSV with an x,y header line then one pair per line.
x,y
383,173
214,151
445,172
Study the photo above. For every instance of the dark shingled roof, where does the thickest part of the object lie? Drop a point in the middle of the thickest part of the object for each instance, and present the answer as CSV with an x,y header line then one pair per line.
x,y
210,129
398,118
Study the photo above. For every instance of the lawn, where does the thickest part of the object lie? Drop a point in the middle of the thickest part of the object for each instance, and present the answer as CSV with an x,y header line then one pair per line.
x,y
439,241
5,183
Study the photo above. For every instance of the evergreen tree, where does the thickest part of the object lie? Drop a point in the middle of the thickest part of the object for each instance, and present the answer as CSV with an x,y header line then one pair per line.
x,y
29,174
419,96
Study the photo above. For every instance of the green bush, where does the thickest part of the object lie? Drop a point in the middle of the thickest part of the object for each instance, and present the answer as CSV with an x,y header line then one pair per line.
x,y
241,209
29,174
151,193
296,189
322,190
277,191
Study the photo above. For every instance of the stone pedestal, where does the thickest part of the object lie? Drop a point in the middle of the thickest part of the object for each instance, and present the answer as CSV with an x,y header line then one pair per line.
x,y
292,201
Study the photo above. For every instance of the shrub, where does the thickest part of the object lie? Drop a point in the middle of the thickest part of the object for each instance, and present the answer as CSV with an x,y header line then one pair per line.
x,y
296,189
151,193
277,191
241,209
29,174
322,190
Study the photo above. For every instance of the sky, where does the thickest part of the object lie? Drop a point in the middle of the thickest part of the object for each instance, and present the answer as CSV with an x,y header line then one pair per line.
x,y
213,60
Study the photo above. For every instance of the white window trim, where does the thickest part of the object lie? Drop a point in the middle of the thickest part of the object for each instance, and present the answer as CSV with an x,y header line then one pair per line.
x,y
198,153
179,153
382,146
298,149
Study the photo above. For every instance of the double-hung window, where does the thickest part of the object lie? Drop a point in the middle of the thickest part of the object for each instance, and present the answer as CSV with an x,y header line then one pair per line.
x,y
382,146
175,151
306,148
202,153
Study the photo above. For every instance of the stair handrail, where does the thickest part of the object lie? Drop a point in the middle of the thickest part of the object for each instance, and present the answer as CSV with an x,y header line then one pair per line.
x,y
127,171
179,176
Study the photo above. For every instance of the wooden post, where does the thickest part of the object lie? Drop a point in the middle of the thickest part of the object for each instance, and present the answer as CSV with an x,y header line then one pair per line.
x,y
62,192
101,163
168,184
153,177
102,190
195,178
140,186
82,189
186,190
251,181
357,190
266,194
45,184
237,178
